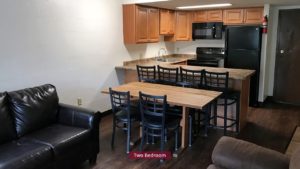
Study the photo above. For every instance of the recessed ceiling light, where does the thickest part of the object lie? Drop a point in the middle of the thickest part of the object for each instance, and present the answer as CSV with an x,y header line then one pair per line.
x,y
204,6
148,1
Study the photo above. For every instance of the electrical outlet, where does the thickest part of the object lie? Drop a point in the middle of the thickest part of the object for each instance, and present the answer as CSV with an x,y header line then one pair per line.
x,y
79,101
140,55
177,50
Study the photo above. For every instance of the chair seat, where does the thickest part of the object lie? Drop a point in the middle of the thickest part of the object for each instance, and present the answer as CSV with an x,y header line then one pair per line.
x,y
122,115
24,154
171,122
62,139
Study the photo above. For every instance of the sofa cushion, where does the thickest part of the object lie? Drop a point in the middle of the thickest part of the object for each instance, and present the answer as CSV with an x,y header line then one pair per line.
x,y
24,154
34,108
233,153
295,159
62,139
7,130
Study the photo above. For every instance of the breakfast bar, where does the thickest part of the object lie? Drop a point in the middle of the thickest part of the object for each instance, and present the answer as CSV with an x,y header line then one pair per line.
x,y
239,79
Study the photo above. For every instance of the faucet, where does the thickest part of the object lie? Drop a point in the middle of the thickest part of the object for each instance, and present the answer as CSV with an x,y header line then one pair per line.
x,y
159,54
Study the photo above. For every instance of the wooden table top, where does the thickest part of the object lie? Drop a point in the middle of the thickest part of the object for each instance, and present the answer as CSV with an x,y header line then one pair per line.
x,y
188,97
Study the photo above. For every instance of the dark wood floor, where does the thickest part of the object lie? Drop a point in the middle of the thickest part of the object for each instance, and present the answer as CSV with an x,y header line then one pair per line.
x,y
270,126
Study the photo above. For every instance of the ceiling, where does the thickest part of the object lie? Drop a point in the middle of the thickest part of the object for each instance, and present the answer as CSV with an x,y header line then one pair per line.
x,y
172,4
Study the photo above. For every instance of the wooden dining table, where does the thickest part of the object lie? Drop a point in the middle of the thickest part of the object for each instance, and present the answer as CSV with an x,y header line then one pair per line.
x,y
179,96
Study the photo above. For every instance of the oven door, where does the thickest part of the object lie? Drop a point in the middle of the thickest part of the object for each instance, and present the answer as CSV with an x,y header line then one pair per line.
x,y
203,63
203,31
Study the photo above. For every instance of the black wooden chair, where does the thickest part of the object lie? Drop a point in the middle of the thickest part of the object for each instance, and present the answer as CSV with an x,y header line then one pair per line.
x,y
155,121
168,76
219,81
123,114
192,79
146,73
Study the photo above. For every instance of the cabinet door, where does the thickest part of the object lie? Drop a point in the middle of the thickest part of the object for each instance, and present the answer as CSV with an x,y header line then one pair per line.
x,y
141,24
233,16
171,22
182,25
164,22
215,16
153,25
253,15
200,16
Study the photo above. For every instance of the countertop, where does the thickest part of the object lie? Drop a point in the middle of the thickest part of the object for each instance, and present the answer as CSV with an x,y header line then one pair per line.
x,y
174,60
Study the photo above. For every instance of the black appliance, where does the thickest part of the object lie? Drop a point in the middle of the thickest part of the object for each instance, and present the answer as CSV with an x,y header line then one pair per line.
x,y
208,57
243,50
209,30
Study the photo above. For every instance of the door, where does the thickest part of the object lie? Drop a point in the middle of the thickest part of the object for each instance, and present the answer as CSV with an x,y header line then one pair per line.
x,y
141,24
182,26
287,69
153,25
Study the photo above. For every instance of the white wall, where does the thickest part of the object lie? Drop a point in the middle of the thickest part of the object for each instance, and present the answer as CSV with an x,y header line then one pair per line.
x,y
271,56
74,45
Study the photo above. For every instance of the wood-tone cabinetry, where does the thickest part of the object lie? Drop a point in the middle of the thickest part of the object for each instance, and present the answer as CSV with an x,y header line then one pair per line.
x,y
208,16
167,22
253,15
183,26
140,24
243,16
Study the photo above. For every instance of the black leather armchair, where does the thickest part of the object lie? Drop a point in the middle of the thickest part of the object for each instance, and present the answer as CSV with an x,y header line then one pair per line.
x,y
36,132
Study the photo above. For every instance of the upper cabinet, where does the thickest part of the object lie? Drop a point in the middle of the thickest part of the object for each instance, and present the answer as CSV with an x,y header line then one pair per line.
x,y
166,22
208,16
233,16
253,15
183,26
243,16
140,24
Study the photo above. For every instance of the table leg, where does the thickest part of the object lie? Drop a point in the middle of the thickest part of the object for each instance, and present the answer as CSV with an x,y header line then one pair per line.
x,y
185,128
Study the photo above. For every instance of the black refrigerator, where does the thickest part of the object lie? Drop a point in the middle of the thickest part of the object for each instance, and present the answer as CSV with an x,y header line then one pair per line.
x,y
243,51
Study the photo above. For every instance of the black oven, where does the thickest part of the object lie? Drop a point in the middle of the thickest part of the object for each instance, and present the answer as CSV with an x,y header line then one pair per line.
x,y
209,30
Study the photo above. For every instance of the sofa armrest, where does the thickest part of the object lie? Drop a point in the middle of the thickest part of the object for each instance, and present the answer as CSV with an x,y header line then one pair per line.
x,y
232,153
78,117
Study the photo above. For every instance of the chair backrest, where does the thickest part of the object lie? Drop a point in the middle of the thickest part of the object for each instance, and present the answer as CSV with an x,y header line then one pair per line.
x,y
167,76
146,73
153,109
216,81
192,78
120,101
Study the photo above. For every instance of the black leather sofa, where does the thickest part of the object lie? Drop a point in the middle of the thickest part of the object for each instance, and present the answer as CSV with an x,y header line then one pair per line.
x,y
36,132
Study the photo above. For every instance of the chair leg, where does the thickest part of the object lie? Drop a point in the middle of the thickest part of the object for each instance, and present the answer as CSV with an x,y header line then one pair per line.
x,y
147,136
176,138
190,130
143,139
215,112
237,116
166,136
162,141
152,139
113,134
128,137
225,116
206,119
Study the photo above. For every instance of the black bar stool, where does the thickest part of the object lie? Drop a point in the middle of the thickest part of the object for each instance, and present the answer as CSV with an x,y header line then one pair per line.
x,y
168,76
146,73
219,81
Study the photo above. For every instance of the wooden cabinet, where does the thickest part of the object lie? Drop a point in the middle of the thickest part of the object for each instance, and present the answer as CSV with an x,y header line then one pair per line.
x,y
140,24
183,26
233,16
167,22
253,15
200,16
208,16
215,16
243,16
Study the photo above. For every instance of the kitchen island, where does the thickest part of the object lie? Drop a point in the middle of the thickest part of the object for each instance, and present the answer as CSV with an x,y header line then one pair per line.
x,y
239,79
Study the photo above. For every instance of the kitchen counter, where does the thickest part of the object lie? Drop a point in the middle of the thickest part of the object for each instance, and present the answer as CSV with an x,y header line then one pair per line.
x,y
239,79
180,60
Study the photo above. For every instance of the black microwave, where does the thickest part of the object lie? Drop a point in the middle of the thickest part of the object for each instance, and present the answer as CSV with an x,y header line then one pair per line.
x,y
209,30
